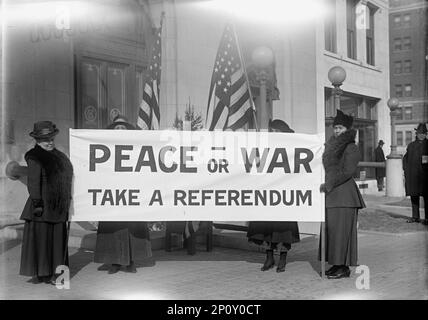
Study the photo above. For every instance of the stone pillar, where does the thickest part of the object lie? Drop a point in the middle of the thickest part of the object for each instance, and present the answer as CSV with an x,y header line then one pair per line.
x,y
394,177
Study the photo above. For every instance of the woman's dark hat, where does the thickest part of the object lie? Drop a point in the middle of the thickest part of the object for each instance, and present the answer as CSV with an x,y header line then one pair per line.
x,y
121,120
422,128
343,119
44,130
280,125
381,142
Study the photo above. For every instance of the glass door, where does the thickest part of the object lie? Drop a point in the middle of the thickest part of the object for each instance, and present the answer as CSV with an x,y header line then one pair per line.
x,y
102,92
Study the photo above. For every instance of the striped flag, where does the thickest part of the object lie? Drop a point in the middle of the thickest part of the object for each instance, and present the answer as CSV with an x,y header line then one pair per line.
x,y
229,102
148,112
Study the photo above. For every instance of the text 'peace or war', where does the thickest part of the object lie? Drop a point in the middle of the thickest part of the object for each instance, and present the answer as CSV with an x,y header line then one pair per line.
x,y
127,160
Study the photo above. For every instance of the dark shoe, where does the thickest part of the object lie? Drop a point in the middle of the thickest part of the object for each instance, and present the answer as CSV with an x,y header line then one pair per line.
x,y
131,268
332,270
269,262
341,272
282,262
113,268
412,220
36,280
103,267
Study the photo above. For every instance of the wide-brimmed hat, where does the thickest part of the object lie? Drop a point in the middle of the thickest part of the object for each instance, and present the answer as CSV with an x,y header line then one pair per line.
x,y
120,120
44,130
343,119
381,142
422,128
280,125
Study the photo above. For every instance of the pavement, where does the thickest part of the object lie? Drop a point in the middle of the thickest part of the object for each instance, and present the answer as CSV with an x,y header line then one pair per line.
x,y
393,265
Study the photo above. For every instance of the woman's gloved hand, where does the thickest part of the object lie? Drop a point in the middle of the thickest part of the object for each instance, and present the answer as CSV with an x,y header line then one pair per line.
x,y
38,207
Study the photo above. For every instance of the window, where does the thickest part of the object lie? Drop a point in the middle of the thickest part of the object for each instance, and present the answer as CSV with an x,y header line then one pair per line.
x,y
407,66
408,111
398,90
370,54
397,67
407,44
406,20
330,27
399,114
397,44
409,137
397,21
351,29
408,90
399,138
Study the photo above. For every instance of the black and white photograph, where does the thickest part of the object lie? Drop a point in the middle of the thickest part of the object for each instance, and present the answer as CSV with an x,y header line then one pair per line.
x,y
238,151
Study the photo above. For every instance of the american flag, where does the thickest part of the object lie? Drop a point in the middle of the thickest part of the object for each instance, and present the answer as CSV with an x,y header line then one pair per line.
x,y
229,103
149,113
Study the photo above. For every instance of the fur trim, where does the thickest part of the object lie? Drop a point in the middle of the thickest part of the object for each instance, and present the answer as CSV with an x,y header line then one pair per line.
x,y
59,174
335,147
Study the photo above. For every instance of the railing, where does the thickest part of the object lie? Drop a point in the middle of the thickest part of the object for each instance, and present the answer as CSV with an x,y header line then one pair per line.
x,y
372,164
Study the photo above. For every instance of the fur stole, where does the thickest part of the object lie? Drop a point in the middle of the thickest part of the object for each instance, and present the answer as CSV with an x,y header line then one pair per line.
x,y
335,147
59,174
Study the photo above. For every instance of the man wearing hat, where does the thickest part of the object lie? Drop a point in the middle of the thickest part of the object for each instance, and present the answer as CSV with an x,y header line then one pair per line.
x,y
50,172
380,172
415,166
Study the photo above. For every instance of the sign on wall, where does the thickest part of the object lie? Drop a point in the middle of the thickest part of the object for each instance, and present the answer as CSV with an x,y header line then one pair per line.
x,y
139,175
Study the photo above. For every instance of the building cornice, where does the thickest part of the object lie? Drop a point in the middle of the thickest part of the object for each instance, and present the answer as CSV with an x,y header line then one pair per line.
x,y
415,6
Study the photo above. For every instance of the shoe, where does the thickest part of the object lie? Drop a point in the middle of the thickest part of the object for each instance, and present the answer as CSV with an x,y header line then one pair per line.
x,y
412,220
131,268
113,268
269,262
103,267
341,272
36,280
332,270
282,262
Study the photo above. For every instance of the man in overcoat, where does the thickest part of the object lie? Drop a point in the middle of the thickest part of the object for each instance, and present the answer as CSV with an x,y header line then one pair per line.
x,y
380,172
415,166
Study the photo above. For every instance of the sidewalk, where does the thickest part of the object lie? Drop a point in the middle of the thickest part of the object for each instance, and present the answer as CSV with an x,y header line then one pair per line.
x,y
398,270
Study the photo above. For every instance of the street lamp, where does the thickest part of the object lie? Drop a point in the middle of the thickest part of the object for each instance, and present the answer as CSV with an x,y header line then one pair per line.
x,y
394,171
336,75
262,58
393,104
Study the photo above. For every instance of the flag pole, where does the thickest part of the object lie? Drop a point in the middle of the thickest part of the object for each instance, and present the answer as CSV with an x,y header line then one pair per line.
x,y
246,75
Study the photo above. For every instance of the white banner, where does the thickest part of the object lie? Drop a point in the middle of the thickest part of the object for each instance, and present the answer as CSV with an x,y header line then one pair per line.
x,y
140,175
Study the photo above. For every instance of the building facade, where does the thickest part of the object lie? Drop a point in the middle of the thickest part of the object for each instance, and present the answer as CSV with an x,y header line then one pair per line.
x,y
81,66
408,43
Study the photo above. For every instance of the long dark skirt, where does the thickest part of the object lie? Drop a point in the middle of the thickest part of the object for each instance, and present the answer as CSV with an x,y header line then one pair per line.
x,y
273,234
341,236
44,248
122,242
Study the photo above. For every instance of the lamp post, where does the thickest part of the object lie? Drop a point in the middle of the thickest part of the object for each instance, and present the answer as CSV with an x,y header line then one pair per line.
x,y
262,58
336,75
393,104
394,171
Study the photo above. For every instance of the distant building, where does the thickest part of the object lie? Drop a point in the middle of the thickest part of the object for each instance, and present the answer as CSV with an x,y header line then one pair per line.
x,y
409,58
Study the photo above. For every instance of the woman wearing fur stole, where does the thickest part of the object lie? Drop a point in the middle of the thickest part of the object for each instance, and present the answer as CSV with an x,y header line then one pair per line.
x,y
44,245
343,199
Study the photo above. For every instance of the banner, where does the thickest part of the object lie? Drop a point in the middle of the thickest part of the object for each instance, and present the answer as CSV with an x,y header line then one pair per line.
x,y
133,175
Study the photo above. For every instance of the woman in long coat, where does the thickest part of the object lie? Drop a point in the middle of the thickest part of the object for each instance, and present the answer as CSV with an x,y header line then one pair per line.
x,y
343,199
44,244
274,235
415,166
122,243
